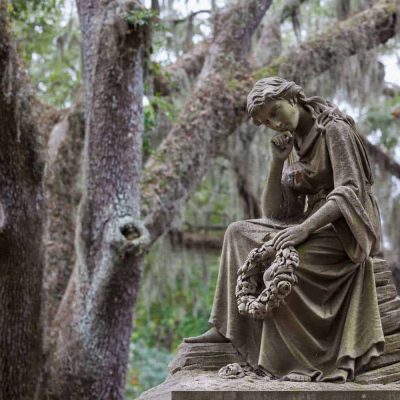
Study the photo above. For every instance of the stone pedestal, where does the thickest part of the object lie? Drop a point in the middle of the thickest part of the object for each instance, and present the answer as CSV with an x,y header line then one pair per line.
x,y
207,385
288,395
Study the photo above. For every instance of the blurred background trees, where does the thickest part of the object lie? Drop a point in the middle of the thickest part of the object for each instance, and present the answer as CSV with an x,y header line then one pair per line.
x,y
180,272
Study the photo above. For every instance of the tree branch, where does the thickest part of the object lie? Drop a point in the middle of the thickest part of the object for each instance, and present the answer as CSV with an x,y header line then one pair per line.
x,y
186,154
188,17
381,158
363,31
169,80
217,105
196,240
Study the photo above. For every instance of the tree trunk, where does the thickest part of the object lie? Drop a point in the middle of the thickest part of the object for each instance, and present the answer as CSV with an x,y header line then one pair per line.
x,y
21,227
62,183
94,322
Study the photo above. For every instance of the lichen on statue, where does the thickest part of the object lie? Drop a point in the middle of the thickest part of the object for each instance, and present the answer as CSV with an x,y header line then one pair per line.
x,y
323,323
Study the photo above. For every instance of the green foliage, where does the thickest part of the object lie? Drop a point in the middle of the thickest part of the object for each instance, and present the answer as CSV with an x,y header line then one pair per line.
x,y
174,302
148,367
139,17
175,297
21,8
157,105
212,203
49,44
379,118
166,106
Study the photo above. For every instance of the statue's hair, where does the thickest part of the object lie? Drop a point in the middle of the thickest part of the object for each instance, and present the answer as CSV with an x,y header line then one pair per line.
x,y
275,87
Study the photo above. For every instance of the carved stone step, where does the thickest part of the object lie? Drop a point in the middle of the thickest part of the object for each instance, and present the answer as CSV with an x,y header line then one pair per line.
x,y
391,322
389,306
380,265
386,293
383,278
206,348
384,360
383,375
204,356
392,343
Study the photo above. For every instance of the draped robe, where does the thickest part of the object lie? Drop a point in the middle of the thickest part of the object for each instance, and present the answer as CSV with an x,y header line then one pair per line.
x,y
329,326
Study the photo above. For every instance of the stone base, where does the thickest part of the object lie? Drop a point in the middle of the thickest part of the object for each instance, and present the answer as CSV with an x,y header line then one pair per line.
x,y
207,385
287,395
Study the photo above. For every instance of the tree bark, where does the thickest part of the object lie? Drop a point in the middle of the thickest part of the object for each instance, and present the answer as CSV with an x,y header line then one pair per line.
x,y
94,322
21,227
63,177
170,80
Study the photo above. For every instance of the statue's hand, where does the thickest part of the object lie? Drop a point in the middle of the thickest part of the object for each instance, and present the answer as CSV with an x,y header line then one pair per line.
x,y
291,236
282,145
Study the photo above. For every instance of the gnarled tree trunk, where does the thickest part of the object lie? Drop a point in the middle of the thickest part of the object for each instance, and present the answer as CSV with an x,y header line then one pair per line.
x,y
22,217
94,322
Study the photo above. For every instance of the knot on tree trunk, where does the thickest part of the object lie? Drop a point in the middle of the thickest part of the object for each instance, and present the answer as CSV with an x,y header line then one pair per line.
x,y
129,17
128,236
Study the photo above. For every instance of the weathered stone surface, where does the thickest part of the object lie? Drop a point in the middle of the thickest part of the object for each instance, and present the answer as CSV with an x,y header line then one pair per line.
x,y
279,395
392,343
383,375
380,265
384,360
386,293
208,385
205,356
287,395
383,278
388,306
391,322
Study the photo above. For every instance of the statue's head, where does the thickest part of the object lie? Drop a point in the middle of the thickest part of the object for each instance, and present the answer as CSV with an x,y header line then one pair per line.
x,y
274,102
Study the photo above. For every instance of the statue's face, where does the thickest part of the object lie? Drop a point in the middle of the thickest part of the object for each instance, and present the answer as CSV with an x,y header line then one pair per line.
x,y
279,115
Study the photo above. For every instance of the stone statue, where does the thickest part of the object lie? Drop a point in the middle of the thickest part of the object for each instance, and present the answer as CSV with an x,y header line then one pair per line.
x,y
296,294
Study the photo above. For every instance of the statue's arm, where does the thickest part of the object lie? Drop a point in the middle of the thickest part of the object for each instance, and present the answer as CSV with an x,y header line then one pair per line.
x,y
297,234
272,196
328,213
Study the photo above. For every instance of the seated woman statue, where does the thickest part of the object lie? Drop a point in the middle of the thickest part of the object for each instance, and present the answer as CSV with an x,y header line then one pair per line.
x,y
321,207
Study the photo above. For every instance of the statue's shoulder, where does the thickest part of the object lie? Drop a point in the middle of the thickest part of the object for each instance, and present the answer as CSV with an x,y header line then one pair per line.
x,y
332,121
335,127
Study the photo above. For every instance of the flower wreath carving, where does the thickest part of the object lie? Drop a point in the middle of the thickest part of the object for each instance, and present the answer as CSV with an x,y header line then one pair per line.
x,y
279,278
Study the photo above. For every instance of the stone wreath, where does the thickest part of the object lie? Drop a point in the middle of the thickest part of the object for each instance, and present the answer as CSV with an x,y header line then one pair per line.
x,y
279,278
236,371
231,371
